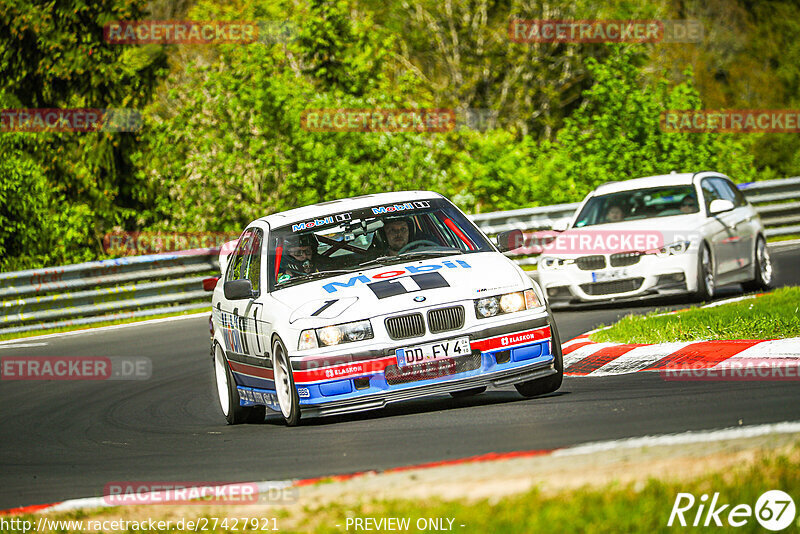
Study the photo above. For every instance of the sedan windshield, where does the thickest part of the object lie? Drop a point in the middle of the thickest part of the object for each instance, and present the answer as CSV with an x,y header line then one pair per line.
x,y
361,239
638,204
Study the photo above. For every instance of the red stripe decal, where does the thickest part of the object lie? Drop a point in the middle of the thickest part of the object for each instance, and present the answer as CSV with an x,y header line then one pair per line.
x,y
576,346
345,370
252,370
511,340
598,359
708,353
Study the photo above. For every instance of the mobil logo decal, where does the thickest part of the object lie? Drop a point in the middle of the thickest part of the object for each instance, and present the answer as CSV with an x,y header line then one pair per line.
x,y
403,280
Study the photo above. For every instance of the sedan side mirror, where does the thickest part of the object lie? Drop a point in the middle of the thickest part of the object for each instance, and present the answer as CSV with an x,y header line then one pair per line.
x,y
510,240
720,205
561,225
238,289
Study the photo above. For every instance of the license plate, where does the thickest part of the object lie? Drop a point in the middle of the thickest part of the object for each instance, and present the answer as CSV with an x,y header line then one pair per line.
x,y
613,274
441,350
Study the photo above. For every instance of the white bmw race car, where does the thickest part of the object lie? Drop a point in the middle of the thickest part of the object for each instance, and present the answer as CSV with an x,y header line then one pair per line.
x,y
352,304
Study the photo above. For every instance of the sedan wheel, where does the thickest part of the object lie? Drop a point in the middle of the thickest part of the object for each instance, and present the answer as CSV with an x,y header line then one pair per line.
x,y
284,384
705,275
228,395
763,268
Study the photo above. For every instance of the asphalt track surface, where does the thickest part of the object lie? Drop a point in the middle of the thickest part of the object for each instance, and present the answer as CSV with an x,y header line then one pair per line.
x,y
62,440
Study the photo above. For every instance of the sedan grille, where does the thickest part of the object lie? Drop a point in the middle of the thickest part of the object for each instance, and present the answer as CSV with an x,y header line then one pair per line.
x,y
623,259
591,263
405,326
445,319
615,286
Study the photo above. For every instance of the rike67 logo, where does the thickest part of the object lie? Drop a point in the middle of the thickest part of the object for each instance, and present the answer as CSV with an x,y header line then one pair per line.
x,y
774,510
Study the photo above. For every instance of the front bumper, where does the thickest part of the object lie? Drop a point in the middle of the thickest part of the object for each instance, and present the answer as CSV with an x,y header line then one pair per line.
x,y
650,276
501,355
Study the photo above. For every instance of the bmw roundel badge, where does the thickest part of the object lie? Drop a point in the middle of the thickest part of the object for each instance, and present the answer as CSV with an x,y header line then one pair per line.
x,y
419,299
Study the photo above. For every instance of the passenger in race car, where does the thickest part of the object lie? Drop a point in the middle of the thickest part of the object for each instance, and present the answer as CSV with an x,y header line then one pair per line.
x,y
300,256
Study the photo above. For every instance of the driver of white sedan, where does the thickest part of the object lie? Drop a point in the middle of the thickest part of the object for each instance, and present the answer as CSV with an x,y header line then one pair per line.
x,y
397,235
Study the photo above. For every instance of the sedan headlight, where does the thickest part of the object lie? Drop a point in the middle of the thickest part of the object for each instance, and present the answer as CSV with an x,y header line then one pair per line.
x,y
335,335
551,263
672,249
507,303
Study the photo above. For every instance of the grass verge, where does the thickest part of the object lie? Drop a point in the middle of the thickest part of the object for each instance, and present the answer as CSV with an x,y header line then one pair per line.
x,y
23,335
770,316
643,506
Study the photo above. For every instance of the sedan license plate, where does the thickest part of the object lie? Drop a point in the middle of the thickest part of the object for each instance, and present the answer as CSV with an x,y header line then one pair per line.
x,y
612,274
441,350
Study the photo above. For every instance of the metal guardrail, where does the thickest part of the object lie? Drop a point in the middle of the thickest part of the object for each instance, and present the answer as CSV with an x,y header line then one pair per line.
x,y
136,286
141,286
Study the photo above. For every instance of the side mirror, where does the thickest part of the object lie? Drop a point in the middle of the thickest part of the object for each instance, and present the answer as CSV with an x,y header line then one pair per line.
x,y
238,289
510,240
561,225
720,205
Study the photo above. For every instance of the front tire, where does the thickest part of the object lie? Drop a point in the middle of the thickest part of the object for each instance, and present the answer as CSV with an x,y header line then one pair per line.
x,y
548,384
705,275
763,268
288,399
228,395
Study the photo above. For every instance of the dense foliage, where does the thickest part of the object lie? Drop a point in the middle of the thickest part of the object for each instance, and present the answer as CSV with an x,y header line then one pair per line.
x,y
222,140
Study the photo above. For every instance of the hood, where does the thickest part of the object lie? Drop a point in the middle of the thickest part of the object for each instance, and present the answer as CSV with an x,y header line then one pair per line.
x,y
628,236
394,288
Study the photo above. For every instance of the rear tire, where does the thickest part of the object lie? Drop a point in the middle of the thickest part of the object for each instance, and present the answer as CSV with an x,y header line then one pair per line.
x,y
705,275
467,392
288,399
548,384
228,395
763,268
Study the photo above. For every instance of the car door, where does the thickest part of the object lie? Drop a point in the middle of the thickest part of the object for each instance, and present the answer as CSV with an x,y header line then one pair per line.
x,y
242,320
744,220
720,230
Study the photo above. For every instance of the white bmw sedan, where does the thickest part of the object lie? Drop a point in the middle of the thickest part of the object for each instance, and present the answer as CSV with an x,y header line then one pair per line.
x,y
677,233
353,304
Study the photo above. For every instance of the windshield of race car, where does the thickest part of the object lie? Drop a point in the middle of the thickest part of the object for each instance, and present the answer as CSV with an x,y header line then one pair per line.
x,y
638,204
371,237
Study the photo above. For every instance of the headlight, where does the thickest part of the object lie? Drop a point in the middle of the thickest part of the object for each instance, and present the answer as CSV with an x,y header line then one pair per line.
x,y
308,340
551,263
335,335
512,302
487,307
675,248
507,303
